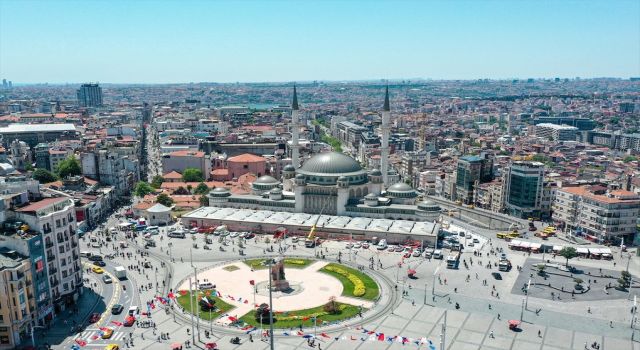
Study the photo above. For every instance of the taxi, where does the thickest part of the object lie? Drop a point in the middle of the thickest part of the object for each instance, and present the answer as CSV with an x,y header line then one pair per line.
x,y
97,269
107,333
112,347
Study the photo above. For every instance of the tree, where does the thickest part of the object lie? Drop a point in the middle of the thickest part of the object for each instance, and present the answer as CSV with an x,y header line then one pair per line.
x,y
628,159
568,253
142,189
157,181
201,189
181,190
44,176
204,201
69,167
165,200
541,268
332,306
624,280
192,175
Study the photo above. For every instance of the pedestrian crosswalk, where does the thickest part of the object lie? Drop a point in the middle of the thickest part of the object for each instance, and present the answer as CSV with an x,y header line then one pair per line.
x,y
94,335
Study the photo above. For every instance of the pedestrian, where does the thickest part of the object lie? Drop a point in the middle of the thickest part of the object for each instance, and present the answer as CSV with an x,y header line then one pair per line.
x,y
491,335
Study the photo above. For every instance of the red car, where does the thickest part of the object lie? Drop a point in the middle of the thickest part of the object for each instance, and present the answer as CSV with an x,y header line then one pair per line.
x,y
95,317
129,321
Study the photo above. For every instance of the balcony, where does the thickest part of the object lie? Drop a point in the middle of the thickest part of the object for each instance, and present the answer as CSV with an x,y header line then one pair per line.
x,y
60,240
53,270
55,283
74,244
51,257
48,244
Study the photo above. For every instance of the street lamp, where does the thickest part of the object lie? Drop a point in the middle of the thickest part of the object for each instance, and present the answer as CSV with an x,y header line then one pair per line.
x,y
33,342
271,345
433,286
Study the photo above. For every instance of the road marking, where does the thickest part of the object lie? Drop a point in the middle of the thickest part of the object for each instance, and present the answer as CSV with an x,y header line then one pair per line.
x,y
114,297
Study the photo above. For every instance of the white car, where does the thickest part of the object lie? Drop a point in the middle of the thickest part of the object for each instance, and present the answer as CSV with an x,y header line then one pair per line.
x,y
468,235
365,245
357,245
349,245
391,248
294,239
243,234
417,252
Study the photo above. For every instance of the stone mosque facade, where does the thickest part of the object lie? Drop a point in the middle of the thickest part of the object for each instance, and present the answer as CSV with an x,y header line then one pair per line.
x,y
331,183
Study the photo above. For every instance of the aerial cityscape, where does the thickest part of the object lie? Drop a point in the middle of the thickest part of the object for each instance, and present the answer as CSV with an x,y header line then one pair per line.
x,y
319,175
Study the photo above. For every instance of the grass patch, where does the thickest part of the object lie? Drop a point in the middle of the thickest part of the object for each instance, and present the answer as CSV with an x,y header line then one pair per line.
x,y
293,319
372,290
231,268
298,263
222,307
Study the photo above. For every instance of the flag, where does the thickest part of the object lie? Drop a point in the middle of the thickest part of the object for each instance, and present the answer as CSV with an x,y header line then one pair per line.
x,y
324,335
117,323
381,336
171,295
250,330
246,301
300,333
81,342
285,333
305,318
252,282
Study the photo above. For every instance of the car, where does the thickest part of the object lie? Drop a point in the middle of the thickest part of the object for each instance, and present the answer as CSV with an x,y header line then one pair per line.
x,y
468,236
95,245
391,248
243,234
106,279
496,275
357,245
461,234
365,245
117,309
503,256
294,239
99,263
95,257
97,270
233,234
107,332
475,240
129,321
349,245
399,249
417,252
470,244
112,347
95,317
249,235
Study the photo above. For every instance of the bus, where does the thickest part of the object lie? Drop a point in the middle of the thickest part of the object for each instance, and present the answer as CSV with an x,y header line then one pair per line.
x,y
453,260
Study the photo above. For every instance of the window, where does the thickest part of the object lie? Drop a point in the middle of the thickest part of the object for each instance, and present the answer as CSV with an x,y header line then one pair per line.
x,y
57,223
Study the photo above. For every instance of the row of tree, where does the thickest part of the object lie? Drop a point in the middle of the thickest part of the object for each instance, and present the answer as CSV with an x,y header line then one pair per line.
x,y
68,167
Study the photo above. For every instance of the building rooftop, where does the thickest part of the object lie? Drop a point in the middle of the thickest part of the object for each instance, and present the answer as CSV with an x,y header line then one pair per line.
x,y
13,128
613,197
246,158
35,206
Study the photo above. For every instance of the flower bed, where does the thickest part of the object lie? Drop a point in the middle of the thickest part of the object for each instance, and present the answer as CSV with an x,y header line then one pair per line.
x,y
355,283
358,285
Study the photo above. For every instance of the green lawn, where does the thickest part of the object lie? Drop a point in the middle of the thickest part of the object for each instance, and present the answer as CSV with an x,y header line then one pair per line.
x,y
256,264
223,307
293,319
371,286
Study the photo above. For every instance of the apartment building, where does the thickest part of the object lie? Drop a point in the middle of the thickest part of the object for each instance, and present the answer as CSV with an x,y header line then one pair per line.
x,y
471,171
17,301
524,188
597,212
556,132
181,160
55,219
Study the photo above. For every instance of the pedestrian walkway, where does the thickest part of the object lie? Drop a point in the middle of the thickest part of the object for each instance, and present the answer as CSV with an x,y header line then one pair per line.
x,y
95,335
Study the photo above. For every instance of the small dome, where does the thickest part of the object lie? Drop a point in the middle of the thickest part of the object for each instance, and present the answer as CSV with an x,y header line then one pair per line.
x,y
375,172
266,180
400,187
276,191
371,196
289,167
220,190
300,177
428,205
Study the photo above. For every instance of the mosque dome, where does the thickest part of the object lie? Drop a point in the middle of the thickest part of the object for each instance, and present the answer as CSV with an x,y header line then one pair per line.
x,y
330,163
401,190
289,167
266,180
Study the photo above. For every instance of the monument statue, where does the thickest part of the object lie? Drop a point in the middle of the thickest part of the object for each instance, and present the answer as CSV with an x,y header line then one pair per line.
x,y
277,276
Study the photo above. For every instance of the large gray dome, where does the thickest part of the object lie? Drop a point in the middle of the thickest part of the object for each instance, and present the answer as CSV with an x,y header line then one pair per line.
x,y
331,163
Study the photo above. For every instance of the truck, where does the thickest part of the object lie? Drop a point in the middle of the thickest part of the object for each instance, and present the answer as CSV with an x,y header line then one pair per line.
x,y
504,265
453,260
120,272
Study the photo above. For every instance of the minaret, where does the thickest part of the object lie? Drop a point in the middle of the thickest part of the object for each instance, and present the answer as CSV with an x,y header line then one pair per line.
x,y
384,155
295,130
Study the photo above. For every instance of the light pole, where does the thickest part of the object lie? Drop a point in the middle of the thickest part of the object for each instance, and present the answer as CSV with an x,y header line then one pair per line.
x,y
444,332
526,305
195,273
271,346
433,286
33,342
193,333
522,310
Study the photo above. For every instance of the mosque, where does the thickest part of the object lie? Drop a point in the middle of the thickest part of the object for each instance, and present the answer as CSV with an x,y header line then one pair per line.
x,y
332,183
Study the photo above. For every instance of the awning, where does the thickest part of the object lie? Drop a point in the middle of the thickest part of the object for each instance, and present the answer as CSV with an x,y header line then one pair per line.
x,y
515,242
583,251
535,245
525,244
557,248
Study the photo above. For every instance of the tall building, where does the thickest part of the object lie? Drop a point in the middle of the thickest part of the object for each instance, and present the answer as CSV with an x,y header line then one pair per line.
x,y
295,131
17,304
556,132
90,95
596,212
384,150
471,171
524,183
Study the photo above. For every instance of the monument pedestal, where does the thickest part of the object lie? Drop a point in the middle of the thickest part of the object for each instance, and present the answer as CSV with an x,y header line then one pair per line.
x,y
281,285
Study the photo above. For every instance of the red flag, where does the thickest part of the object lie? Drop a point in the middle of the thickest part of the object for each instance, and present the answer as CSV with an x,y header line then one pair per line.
x,y
381,337
325,335
117,323
252,282
81,342
246,301
171,295
300,333
305,318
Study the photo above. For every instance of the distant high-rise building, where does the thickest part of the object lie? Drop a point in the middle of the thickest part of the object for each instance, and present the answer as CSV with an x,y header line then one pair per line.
x,y
524,189
90,95
4,84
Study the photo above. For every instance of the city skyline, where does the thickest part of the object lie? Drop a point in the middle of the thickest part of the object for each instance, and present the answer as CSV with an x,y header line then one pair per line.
x,y
277,41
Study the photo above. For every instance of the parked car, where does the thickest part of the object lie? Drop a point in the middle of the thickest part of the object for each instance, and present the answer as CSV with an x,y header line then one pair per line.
x,y
496,275
99,263
417,252
106,279
365,245
475,240
357,245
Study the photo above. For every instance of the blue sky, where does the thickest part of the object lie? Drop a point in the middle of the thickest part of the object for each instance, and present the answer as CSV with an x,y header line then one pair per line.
x,y
193,41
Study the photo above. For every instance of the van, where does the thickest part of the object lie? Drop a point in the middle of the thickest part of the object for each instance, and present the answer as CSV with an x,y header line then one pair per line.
x,y
205,285
437,254
85,254
177,234
382,245
133,311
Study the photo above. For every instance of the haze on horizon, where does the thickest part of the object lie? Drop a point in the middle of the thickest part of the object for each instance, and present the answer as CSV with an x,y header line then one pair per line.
x,y
223,41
